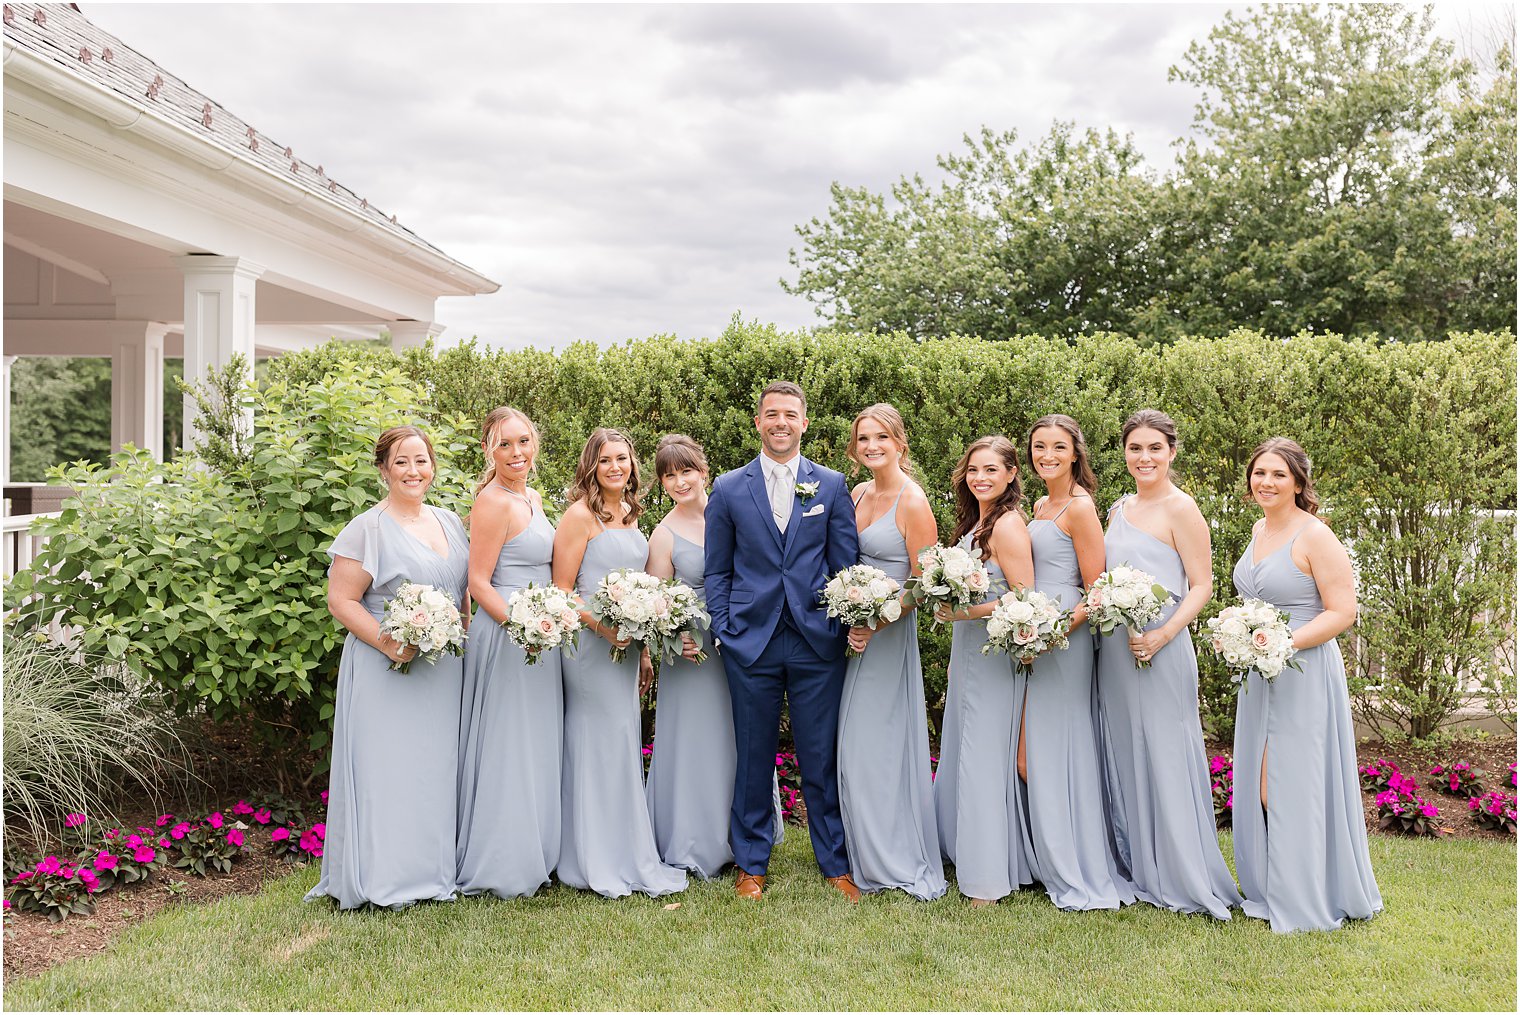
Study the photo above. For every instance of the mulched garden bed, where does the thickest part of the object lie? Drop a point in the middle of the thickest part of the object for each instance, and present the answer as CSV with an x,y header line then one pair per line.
x,y
32,944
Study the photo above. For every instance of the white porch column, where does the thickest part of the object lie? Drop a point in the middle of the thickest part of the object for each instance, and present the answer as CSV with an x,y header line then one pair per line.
x,y
219,317
5,419
412,334
137,388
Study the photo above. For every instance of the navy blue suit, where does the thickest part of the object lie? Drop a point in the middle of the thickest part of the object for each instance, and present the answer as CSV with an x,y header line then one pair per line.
x,y
762,590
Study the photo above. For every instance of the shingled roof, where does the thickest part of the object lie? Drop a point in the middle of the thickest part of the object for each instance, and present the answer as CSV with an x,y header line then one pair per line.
x,y
60,33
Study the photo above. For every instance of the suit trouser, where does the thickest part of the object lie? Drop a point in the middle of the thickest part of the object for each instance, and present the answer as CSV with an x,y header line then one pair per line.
x,y
812,686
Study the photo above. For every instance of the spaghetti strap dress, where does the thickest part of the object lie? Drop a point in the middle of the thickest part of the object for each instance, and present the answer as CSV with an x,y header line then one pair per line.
x,y
1306,866
1161,808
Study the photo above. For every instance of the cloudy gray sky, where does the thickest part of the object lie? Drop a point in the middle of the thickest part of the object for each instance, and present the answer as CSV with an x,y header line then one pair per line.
x,y
632,170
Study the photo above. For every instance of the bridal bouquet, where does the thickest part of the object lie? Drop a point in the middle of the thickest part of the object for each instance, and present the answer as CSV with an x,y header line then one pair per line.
x,y
686,613
1126,597
950,576
540,618
1252,636
862,596
420,615
634,604
1025,623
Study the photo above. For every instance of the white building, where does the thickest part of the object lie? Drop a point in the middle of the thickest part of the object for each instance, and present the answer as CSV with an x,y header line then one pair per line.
x,y
143,220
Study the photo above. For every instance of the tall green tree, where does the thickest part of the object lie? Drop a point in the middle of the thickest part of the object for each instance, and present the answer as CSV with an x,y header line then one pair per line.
x,y
1347,172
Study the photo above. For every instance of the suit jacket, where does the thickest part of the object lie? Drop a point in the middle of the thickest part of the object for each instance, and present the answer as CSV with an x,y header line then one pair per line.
x,y
752,567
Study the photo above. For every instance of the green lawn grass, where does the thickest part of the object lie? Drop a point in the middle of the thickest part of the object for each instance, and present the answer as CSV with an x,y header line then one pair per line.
x,y
1446,940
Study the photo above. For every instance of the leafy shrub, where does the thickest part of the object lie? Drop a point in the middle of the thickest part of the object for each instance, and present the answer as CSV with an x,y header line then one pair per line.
x,y
1494,810
79,730
1413,450
1459,779
1401,809
55,888
1222,785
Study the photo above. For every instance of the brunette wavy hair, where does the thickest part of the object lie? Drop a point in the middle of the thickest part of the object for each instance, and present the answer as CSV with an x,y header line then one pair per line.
x,y
891,420
584,485
675,452
1081,468
488,435
1299,467
967,509
1151,419
394,436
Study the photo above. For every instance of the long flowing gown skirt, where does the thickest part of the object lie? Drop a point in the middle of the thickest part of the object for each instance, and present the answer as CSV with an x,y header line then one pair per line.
x,y
512,732
886,794
606,839
1156,772
1068,831
1306,867
395,740
977,801
690,790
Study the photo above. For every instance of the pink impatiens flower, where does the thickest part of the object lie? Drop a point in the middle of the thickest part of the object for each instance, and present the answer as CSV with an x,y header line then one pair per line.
x,y
180,830
320,831
163,819
74,820
241,807
91,882
48,865
235,836
262,815
144,854
104,861
215,821
324,798
279,835
310,842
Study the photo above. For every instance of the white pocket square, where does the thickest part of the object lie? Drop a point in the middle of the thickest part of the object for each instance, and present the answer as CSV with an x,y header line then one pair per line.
x,y
816,509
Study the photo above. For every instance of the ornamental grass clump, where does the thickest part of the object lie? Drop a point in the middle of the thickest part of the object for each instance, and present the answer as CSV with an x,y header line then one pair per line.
x,y
79,732
1222,785
1460,779
1494,811
1401,809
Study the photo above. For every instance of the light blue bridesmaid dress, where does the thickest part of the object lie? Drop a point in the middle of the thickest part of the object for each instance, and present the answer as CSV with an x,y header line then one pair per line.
x,y
1161,810
1071,855
1306,867
886,794
395,741
690,790
977,801
606,840
512,732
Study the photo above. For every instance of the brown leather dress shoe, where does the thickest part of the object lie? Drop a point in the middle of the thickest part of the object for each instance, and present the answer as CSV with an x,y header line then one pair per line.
x,y
749,886
846,887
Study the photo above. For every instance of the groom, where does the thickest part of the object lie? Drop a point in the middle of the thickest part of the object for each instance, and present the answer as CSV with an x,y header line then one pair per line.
x,y
777,531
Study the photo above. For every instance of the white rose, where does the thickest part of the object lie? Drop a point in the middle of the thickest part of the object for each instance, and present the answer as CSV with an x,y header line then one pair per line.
x,y
1020,612
891,610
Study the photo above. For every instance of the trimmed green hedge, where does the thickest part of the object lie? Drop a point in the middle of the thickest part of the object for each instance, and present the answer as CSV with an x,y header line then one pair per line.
x,y
1413,445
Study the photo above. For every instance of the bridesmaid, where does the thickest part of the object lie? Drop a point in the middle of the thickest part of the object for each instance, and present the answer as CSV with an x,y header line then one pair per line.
x,y
691,773
886,794
1157,779
976,794
606,842
395,742
512,721
1058,756
1303,865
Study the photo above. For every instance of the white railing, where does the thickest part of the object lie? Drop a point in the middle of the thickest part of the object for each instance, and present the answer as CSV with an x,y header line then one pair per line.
x,y
21,546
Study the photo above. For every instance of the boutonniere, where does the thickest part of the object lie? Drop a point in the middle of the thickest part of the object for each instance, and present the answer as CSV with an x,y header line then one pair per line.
x,y
807,491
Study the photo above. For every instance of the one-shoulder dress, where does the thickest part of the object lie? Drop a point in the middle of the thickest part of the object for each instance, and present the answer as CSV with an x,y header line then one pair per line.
x,y
1072,854
606,839
886,792
1161,808
976,788
395,741
512,733
1305,867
